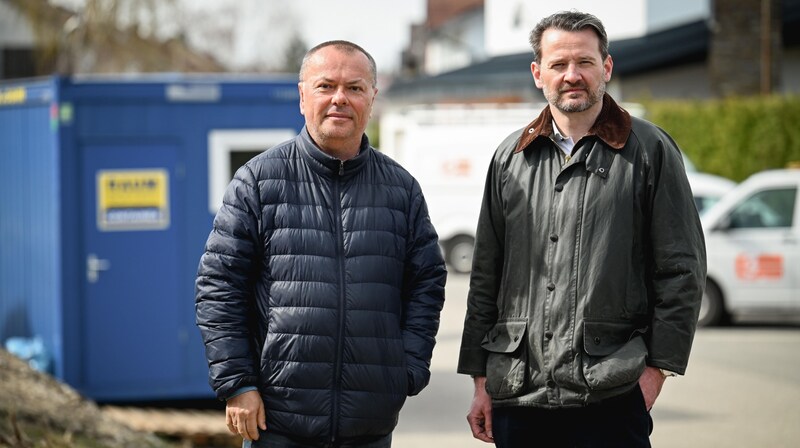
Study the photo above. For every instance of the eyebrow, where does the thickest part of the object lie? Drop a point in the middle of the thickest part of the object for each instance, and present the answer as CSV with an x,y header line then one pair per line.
x,y
350,82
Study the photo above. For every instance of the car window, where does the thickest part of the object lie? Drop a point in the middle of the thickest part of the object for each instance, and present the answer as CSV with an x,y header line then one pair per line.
x,y
703,203
766,208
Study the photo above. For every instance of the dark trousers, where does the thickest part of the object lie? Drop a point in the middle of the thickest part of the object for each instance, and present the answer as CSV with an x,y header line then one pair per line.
x,y
267,439
621,421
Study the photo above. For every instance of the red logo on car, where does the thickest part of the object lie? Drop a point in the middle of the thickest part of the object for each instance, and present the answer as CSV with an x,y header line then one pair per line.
x,y
764,266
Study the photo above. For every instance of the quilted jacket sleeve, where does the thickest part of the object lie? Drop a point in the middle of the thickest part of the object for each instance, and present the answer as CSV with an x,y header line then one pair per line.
x,y
424,281
224,288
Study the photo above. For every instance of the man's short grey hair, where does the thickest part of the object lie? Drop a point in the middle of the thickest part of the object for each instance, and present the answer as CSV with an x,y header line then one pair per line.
x,y
345,46
568,21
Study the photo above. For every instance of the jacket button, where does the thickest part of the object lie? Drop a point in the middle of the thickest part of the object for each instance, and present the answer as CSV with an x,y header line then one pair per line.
x,y
554,238
548,335
559,187
550,383
551,286
596,340
516,338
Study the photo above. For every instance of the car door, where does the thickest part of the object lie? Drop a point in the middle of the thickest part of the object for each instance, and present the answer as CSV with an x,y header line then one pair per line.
x,y
758,250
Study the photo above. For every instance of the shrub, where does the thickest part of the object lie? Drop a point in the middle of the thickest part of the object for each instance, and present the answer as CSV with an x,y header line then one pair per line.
x,y
733,137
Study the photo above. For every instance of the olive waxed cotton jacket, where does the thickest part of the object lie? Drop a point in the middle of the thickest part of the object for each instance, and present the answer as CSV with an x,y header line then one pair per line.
x,y
587,268
321,284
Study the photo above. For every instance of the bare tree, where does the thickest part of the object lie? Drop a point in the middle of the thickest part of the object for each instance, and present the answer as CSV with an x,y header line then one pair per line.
x,y
293,54
107,36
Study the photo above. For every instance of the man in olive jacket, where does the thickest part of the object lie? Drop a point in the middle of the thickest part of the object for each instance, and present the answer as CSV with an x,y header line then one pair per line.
x,y
589,262
319,292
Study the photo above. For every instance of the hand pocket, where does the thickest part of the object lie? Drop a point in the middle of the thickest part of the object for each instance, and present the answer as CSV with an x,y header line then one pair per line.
x,y
614,354
507,364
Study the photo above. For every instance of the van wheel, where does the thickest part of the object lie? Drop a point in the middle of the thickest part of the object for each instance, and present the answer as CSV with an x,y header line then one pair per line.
x,y
459,253
712,307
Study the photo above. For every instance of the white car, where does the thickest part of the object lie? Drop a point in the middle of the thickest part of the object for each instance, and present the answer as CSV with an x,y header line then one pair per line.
x,y
707,189
753,245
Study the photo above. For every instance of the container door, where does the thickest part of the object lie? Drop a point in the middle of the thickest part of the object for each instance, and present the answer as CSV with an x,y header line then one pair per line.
x,y
133,329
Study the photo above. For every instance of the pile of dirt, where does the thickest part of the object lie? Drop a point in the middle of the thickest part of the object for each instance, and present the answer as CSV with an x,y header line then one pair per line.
x,y
36,410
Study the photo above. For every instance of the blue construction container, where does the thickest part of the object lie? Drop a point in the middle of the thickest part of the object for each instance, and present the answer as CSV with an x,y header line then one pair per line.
x,y
109,188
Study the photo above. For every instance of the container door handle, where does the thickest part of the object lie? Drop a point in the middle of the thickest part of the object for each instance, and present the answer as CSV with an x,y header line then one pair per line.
x,y
95,265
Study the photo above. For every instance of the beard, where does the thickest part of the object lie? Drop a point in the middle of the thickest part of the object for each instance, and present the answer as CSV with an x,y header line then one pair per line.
x,y
568,105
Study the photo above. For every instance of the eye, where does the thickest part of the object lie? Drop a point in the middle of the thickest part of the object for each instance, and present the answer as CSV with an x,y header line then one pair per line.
x,y
356,88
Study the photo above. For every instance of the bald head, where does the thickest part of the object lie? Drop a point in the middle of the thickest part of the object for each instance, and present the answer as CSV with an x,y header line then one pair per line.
x,y
345,47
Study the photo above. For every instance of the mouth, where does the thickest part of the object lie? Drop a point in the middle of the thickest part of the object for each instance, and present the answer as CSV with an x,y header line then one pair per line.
x,y
573,90
338,116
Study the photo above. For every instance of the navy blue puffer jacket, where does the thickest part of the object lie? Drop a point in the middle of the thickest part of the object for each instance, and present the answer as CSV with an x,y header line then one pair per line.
x,y
321,284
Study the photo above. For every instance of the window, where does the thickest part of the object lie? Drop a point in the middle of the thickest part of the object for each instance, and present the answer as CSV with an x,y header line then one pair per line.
x,y
230,149
703,203
765,209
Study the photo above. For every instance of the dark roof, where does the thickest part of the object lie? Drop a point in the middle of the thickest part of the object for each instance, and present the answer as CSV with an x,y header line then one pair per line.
x,y
499,73
509,75
682,44
679,45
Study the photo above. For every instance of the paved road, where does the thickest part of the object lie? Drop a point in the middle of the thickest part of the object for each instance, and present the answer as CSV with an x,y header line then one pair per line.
x,y
742,389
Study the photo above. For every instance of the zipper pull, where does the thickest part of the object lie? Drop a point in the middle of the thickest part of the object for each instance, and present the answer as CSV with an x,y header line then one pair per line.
x,y
341,167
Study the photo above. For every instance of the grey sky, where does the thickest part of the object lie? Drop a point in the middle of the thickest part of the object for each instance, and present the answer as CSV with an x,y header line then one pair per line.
x,y
256,30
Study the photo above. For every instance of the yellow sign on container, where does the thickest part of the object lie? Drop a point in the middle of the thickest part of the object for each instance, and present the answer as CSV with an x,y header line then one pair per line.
x,y
133,199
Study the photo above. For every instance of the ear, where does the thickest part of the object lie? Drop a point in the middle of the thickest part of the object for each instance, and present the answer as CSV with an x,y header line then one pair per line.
x,y
537,74
372,101
302,98
608,67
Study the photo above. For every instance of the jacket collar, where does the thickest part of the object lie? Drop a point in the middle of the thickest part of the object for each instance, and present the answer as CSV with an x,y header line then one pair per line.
x,y
613,126
328,165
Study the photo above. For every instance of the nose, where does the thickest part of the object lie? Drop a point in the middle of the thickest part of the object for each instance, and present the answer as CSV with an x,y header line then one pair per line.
x,y
339,96
572,75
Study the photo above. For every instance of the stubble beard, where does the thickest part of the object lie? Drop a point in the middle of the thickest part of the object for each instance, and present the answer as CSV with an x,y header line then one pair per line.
x,y
567,105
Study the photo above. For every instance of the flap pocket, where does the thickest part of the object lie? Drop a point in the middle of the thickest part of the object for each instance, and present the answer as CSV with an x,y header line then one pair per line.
x,y
602,338
505,337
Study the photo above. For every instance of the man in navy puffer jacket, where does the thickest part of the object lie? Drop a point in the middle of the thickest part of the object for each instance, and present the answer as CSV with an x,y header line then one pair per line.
x,y
319,292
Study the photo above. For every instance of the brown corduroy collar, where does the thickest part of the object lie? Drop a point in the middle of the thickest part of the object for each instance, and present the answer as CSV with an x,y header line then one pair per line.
x,y
613,126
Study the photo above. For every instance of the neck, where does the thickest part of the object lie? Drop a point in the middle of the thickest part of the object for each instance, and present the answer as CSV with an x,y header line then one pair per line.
x,y
339,150
342,154
576,124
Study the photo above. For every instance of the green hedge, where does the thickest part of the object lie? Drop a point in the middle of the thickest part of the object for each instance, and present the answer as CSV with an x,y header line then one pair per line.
x,y
733,137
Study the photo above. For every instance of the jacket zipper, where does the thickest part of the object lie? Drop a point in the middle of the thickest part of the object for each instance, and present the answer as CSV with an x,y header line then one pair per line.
x,y
337,379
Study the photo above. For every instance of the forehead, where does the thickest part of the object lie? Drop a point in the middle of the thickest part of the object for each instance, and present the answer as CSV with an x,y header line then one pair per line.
x,y
334,62
555,42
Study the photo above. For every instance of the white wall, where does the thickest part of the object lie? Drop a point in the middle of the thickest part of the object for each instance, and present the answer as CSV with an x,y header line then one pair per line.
x,y
14,29
508,22
456,44
663,14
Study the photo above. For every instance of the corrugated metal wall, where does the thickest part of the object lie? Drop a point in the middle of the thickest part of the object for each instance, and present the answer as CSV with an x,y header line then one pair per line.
x,y
55,136
29,214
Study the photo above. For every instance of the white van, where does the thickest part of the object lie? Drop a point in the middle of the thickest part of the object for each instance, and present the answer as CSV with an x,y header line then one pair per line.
x,y
447,148
753,245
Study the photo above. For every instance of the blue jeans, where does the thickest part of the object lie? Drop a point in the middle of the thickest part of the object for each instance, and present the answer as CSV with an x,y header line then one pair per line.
x,y
272,440
621,421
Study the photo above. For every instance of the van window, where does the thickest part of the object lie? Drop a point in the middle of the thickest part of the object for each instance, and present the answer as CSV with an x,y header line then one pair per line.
x,y
765,209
